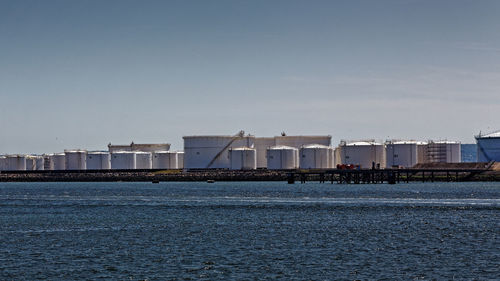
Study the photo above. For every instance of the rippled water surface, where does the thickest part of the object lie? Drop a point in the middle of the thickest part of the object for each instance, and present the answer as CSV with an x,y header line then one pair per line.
x,y
136,231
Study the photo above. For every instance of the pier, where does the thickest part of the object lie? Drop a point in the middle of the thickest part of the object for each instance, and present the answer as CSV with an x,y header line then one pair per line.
x,y
339,176
391,176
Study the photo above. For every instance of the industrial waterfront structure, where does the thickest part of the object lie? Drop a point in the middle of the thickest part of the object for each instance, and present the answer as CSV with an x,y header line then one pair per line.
x,y
365,153
247,152
263,143
165,160
243,158
401,154
98,160
143,147
205,152
123,160
282,157
488,147
316,156
76,159
443,152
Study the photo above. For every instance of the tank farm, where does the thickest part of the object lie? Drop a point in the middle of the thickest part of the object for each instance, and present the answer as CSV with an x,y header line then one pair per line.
x,y
244,157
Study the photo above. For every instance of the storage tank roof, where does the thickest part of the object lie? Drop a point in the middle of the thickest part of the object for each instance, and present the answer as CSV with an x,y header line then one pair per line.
x,y
315,146
282,147
124,152
490,135
217,136
446,142
403,142
362,143
307,136
243,148
97,152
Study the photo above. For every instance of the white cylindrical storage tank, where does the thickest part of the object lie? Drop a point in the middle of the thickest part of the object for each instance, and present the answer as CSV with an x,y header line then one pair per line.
x,y
261,145
98,160
39,163
206,152
363,153
30,163
333,158
15,163
337,156
143,160
401,154
59,161
76,159
315,156
243,158
165,160
123,160
488,147
282,157
180,159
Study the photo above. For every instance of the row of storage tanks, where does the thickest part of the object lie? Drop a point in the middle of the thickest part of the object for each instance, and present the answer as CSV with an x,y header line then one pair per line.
x,y
311,152
244,152
94,160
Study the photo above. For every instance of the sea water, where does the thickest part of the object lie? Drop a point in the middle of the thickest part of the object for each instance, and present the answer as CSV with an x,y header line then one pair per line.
x,y
249,230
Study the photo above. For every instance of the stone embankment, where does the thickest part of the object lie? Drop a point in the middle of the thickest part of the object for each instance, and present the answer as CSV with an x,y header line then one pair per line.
x,y
142,175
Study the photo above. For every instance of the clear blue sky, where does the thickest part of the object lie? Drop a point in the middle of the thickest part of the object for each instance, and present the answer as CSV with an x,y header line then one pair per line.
x,y
81,74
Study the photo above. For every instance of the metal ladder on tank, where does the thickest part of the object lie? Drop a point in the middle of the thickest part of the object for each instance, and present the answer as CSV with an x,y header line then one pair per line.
x,y
237,136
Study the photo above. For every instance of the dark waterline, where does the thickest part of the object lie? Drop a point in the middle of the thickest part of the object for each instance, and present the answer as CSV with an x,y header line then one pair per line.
x,y
249,231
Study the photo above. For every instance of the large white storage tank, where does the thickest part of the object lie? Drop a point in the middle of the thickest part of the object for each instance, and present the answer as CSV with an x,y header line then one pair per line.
x,y
39,163
444,152
30,163
165,160
243,158
316,156
180,159
15,163
261,145
401,154
98,160
363,153
204,152
123,160
59,161
282,157
76,159
488,147
143,160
